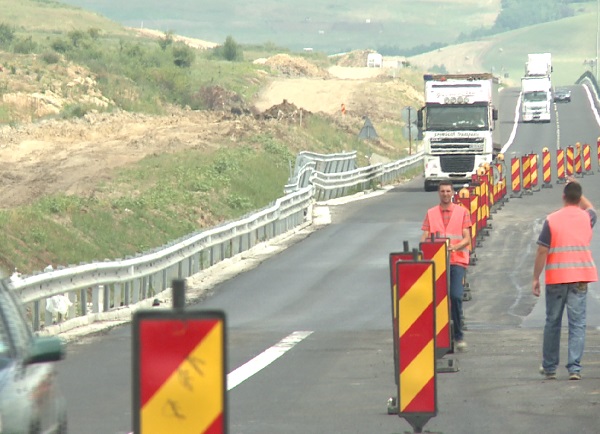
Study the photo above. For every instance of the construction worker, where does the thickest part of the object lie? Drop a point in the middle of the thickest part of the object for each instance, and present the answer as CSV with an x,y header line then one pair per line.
x,y
452,221
564,251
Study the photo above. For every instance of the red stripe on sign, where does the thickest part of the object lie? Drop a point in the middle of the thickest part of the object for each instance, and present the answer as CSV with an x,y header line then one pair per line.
x,y
424,401
216,427
164,345
410,275
417,337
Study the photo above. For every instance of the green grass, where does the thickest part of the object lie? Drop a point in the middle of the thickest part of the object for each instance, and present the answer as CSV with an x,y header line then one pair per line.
x,y
571,41
159,199
330,26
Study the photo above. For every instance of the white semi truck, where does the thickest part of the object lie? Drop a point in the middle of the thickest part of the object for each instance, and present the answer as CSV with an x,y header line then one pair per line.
x,y
536,88
458,126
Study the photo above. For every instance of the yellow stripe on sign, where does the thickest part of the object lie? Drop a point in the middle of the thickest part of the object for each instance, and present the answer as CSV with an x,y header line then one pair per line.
x,y
441,314
441,311
416,375
415,301
192,397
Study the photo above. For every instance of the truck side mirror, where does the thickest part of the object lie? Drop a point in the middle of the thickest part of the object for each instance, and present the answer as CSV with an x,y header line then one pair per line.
x,y
420,118
495,114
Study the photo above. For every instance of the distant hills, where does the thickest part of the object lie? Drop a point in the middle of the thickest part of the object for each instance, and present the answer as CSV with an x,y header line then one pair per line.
x,y
331,26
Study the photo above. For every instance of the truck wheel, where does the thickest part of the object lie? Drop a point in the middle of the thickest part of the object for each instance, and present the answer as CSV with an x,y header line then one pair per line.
x,y
429,186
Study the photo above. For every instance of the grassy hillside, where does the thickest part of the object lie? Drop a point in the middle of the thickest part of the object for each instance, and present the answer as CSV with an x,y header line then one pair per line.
x,y
571,41
326,25
47,17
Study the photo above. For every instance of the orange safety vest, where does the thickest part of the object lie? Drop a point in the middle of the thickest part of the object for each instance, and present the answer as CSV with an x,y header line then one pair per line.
x,y
569,257
454,231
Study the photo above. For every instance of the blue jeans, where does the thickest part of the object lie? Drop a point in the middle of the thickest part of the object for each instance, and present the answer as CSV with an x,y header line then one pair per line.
x,y
457,275
572,295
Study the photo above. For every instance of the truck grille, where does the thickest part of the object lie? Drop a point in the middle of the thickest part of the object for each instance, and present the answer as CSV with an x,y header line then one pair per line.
x,y
457,163
464,145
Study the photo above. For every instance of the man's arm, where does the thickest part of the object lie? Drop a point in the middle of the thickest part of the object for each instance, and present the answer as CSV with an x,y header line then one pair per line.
x,y
466,240
538,267
585,204
424,236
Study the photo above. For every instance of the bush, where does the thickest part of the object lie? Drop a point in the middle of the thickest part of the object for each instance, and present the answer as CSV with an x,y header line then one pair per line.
x,y
230,50
7,35
50,57
60,45
183,55
24,46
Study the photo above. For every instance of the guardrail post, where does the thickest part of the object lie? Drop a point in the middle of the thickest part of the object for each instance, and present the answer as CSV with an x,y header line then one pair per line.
x,y
96,294
117,299
83,298
36,315
105,298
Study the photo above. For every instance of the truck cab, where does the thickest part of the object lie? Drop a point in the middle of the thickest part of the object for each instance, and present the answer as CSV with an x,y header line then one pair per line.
x,y
458,126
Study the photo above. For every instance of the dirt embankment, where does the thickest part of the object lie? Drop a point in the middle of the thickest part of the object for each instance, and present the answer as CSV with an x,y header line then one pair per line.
x,y
75,156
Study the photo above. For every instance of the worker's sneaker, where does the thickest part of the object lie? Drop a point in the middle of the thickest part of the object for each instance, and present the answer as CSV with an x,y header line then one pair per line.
x,y
547,374
461,346
574,376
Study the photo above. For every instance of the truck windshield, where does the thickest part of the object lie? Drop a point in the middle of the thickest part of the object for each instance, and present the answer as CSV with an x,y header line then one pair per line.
x,y
457,117
537,96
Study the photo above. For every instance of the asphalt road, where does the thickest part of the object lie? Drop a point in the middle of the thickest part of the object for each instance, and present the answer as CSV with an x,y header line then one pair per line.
x,y
335,286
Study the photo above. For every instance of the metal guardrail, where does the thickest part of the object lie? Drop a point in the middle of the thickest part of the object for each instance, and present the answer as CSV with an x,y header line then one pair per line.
x,y
309,162
97,291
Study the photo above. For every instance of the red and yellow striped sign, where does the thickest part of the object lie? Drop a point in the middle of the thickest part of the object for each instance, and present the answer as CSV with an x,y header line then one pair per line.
x,y
525,162
578,165
533,167
416,339
515,172
587,158
570,156
546,166
179,371
561,174
394,258
437,251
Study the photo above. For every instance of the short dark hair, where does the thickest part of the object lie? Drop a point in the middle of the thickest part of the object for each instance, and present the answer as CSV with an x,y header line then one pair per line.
x,y
572,193
445,182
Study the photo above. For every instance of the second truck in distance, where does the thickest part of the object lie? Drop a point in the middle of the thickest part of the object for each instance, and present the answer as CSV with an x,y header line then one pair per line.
x,y
458,126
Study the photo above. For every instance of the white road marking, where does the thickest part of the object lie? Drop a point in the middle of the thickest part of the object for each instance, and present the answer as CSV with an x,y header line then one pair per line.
x,y
265,358
514,130
592,105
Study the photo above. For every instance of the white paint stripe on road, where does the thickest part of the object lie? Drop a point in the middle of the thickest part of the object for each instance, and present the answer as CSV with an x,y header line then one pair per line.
x,y
592,105
265,358
514,130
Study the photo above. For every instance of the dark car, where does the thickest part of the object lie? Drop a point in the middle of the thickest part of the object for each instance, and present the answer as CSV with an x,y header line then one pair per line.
x,y
30,401
562,95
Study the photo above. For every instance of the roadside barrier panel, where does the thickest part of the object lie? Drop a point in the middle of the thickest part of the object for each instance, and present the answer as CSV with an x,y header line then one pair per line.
x,y
515,176
485,181
417,379
546,169
396,257
501,165
587,160
561,173
473,209
578,165
480,222
526,164
533,163
179,369
436,250
569,161
598,150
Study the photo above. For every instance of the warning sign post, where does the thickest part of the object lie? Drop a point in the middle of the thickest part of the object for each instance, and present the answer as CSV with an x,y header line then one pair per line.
x,y
179,371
